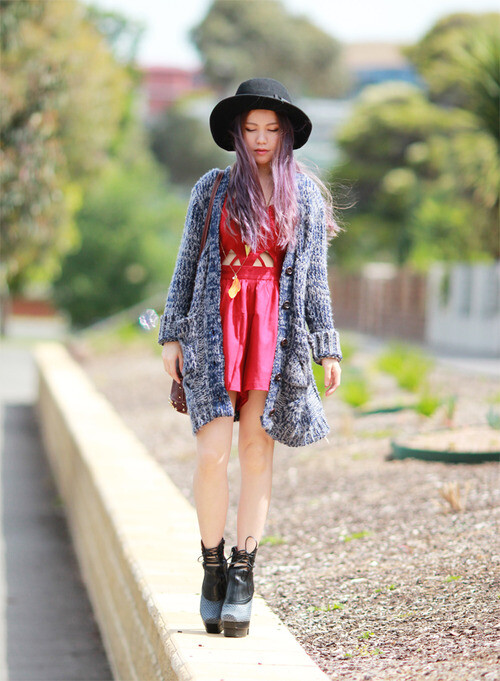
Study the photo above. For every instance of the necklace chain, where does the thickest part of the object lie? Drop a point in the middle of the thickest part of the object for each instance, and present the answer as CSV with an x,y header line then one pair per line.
x,y
236,285
241,264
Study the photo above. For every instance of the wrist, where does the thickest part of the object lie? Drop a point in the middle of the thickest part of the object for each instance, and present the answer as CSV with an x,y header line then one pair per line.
x,y
336,358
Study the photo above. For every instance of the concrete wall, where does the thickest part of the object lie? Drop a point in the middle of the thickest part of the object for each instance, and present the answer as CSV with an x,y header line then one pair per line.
x,y
137,542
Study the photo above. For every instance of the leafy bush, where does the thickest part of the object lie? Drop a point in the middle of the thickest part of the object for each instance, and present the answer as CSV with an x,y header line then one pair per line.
x,y
427,403
354,389
130,225
408,365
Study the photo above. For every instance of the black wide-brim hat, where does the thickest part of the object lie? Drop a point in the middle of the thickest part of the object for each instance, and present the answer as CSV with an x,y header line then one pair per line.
x,y
258,93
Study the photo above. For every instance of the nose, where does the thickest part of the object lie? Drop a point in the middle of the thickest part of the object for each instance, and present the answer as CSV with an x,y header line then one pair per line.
x,y
261,137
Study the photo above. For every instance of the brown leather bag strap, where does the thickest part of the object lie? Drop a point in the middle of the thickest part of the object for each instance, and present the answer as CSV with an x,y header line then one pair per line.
x,y
209,211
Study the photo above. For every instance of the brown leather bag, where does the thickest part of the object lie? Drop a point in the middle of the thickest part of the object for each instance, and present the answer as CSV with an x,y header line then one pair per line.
x,y
177,394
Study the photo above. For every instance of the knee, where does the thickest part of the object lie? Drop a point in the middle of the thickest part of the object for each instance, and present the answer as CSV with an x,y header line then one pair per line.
x,y
211,461
256,457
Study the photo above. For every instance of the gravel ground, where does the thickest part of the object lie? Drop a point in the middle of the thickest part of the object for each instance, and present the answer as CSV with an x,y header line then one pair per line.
x,y
365,561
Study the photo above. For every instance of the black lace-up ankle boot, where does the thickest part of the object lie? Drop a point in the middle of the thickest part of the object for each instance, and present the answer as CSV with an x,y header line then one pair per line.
x,y
213,590
237,607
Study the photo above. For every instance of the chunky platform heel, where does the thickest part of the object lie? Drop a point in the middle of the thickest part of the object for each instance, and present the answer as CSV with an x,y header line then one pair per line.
x,y
237,607
213,590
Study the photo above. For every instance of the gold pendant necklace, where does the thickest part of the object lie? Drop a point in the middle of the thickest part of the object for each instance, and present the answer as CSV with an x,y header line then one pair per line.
x,y
236,285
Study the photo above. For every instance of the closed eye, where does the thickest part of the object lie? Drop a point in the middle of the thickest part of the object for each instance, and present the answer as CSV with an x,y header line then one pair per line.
x,y
254,130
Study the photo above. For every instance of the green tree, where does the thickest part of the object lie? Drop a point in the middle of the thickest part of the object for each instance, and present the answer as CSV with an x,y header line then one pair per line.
x,y
238,40
427,172
460,61
184,146
130,226
123,34
61,101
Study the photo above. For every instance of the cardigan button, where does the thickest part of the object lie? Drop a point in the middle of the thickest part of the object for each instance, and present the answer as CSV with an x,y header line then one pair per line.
x,y
286,305
284,342
272,412
277,377
289,269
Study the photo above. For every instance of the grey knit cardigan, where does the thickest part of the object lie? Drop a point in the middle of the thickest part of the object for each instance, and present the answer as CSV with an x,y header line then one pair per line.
x,y
293,411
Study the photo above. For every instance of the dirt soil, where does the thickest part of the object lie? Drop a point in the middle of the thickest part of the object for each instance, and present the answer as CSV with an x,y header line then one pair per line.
x,y
363,559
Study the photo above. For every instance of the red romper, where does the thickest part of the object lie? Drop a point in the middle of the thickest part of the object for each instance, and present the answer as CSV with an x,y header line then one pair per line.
x,y
250,319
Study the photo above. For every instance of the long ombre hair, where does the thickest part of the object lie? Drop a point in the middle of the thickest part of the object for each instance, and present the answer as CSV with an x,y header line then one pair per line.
x,y
245,199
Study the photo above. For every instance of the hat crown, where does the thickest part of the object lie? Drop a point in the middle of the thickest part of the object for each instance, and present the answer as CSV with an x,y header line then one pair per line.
x,y
265,87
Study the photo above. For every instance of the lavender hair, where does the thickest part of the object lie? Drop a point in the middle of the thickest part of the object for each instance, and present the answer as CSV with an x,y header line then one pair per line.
x,y
246,202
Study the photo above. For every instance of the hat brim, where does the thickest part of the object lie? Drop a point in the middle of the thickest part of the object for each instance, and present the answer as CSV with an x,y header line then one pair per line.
x,y
225,111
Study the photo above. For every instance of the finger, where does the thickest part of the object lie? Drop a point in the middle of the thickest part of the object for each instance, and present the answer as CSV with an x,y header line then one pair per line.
x,y
178,370
328,374
170,369
334,384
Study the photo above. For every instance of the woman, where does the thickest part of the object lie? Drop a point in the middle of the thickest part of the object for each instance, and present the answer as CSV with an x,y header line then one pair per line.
x,y
240,324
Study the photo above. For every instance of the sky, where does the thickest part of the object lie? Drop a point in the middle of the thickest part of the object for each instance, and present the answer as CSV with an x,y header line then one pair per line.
x,y
166,42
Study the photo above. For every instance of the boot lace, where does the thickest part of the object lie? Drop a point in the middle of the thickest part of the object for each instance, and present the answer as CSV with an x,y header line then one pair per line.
x,y
243,558
212,556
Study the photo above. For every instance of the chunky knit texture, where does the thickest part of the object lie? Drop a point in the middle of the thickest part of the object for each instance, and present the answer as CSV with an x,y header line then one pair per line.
x,y
293,412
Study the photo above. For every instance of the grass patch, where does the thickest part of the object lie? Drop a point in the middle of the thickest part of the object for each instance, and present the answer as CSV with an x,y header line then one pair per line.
x,y
348,347
356,535
389,587
376,434
272,540
124,335
325,608
364,650
427,403
493,418
354,388
409,365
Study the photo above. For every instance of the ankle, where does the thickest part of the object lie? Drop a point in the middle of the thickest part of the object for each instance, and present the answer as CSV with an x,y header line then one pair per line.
x,y
249,543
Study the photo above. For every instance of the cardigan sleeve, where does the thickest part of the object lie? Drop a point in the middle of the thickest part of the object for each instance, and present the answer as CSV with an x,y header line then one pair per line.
x,y
324,338
182,283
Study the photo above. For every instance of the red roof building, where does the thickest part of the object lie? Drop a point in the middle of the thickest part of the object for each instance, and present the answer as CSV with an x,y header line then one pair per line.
x,y
163,85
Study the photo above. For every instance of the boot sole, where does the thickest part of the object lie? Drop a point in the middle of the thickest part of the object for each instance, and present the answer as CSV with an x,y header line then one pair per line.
x,y
236,629
213,627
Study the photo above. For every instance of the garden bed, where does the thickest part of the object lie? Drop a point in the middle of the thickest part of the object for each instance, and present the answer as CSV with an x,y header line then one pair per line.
x,y
470,444
376,574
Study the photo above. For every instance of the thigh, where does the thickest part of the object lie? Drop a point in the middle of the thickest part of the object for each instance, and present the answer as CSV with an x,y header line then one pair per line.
x,y
251,429
218,433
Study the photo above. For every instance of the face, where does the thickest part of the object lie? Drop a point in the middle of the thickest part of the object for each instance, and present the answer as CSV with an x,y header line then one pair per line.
x,y
261,134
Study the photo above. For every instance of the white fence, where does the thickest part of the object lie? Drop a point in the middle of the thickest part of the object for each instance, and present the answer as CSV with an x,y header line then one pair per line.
x,y
463,308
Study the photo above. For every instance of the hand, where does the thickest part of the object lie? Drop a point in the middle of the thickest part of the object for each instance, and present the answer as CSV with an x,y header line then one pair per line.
x,y
170,353
332,374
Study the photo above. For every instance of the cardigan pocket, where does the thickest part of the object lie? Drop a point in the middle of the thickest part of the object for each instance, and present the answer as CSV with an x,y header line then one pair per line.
x,y
187,339
297,370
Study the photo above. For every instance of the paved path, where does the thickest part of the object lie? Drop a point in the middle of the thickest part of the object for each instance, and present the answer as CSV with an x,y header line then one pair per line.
x,y
466,363
47,628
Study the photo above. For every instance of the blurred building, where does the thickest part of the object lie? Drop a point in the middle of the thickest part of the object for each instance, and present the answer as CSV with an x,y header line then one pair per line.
x,y
371,63
163,85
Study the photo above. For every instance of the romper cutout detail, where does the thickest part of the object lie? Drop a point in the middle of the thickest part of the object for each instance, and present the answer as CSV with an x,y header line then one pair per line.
x,y
265,260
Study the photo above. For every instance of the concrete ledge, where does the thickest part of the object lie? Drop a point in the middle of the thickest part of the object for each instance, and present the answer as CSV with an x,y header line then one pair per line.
x,y
137,541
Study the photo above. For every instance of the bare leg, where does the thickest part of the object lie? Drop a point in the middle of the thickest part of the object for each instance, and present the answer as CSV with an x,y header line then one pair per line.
x,y
256,450
213,445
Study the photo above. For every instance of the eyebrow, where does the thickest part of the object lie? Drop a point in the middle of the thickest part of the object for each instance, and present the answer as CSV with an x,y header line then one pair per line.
x,y
253,123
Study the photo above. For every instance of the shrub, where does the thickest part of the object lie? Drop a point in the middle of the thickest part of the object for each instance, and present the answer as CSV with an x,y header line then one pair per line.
x,y
354,388
408,365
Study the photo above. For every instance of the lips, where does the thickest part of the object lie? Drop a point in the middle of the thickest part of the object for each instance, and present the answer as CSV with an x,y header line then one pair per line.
x,y
262,151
